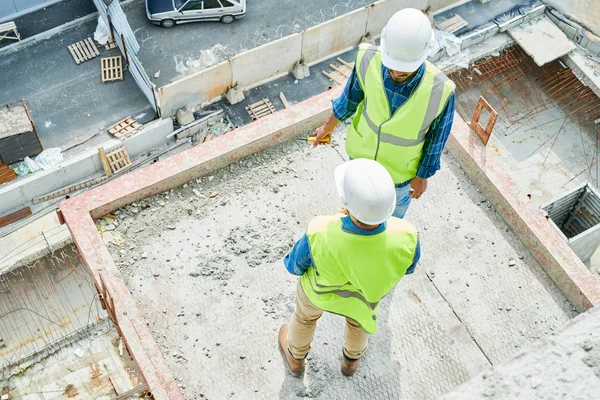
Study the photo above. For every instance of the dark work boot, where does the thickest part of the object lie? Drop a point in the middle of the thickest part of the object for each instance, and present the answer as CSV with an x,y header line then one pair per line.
x,y
349,366
296,367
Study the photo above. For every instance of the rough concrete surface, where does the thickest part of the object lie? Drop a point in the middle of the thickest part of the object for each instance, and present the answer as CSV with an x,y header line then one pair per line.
x,y
204,263
563,366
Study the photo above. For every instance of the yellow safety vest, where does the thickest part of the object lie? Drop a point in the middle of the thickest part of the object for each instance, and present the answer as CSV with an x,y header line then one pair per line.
x,y
352,273
396,141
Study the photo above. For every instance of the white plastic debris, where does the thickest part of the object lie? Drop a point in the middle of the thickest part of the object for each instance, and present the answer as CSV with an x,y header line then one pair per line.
x,y
28,166
102,32
447,41
49,158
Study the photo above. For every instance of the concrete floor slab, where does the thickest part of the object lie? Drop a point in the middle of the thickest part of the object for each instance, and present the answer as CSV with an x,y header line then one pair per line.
x,y
207,273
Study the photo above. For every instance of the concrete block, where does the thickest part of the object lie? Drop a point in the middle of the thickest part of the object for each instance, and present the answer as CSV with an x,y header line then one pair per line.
x,y
235,95
151,137
300,70
184,116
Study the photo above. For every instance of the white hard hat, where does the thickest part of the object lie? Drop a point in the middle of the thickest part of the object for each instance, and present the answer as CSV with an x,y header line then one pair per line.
x,y
406,40
367,190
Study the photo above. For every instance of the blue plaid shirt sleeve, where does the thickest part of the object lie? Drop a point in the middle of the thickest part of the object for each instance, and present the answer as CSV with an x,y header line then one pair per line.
x,y
346,105
436,139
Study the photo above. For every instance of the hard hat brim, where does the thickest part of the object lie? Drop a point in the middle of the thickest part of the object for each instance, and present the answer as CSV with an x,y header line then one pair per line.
x,y
400,65
339,174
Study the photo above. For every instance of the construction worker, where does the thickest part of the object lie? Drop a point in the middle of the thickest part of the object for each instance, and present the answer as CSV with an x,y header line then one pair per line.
x,y
403,106
348,262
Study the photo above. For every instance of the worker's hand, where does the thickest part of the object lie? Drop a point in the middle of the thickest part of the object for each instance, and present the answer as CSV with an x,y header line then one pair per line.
x,y
321,133
419,186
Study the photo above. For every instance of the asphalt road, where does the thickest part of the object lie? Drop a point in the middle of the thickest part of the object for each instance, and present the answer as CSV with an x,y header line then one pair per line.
x,y
170,51
49,17
71,107
68,102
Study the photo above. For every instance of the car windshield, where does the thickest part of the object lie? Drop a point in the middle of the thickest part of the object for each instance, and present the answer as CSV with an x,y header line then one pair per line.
x,y
179,3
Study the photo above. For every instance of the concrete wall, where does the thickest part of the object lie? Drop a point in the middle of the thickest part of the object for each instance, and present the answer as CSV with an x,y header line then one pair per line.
x,y
585,12
313,45
380,13
334,36
19,194
196,88
277,57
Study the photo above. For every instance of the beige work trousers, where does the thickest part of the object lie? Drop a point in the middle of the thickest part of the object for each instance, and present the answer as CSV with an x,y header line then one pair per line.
x,y
303,324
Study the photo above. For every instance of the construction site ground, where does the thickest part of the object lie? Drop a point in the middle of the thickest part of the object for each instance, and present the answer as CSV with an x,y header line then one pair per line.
x,y
204,263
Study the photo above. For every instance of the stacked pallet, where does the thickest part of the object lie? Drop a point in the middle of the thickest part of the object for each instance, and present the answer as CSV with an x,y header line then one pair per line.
x,y
6,174
340,71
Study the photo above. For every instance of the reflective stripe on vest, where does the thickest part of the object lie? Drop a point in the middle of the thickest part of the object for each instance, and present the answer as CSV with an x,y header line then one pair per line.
x,y
352,273
402,133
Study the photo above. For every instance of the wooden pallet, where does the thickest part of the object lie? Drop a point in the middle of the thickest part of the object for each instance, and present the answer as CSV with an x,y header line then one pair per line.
x,y
112,69
453,24
83,50
9,28
340,71
111,44
15,216
260,109
125,128
7,174
118,159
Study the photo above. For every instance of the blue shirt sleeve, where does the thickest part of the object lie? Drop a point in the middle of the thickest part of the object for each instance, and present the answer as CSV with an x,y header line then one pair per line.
x,y
436,139
346,105
299,259
416,258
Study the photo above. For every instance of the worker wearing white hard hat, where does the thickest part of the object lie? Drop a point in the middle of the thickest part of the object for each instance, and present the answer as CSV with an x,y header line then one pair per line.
x,y
347,262
403,106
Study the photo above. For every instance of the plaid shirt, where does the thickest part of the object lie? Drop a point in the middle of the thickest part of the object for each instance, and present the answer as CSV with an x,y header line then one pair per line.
x,y
346,105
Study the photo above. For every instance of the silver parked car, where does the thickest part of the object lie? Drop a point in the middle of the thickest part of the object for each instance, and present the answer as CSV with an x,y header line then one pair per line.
x,y
167,13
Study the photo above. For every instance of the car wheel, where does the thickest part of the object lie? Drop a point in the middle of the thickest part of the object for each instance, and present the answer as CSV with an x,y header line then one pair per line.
x,y
227,19
167,23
